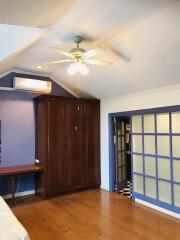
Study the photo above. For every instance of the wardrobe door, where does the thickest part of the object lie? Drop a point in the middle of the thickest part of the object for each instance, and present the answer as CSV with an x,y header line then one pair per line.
x,y
41,116
76,167
92,142
57,175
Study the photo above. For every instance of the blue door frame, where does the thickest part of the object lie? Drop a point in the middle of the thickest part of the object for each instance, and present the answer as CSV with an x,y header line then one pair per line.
x,y
111,117
111,147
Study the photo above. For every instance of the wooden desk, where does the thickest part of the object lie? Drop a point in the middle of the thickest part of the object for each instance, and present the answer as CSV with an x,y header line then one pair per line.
x,y
17,170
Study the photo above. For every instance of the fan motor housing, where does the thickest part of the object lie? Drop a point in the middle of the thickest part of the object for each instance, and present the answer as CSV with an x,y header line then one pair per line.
x,y
78,52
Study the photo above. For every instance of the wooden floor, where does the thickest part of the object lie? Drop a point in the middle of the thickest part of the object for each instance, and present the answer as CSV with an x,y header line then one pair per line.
x,y
95,215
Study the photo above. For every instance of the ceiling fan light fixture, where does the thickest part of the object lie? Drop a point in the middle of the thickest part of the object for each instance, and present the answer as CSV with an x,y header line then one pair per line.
x,y
72,69
78,67
39,67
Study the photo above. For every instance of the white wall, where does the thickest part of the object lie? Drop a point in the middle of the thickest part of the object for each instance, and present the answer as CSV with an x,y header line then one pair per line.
x,y
161,97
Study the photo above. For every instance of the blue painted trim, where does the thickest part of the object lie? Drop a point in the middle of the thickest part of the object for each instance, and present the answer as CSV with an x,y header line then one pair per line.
x,y
143,158
171,159
157,203
175,158
149,176
157,134
175,108
151,155
156,157
177,183
111,154
132,176
136,173
164,180
116,155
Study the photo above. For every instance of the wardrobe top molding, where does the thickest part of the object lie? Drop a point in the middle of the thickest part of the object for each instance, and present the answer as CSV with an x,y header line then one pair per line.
x,y
74,99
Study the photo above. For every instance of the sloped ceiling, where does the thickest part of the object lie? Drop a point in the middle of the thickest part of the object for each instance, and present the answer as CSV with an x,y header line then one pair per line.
x,y
147,32
16,38
33,13
14,41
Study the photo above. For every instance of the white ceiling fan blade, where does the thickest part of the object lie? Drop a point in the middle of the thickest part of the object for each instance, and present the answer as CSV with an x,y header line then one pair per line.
x,y
117,53
98,62
60,61
109,35
105,40
93,52
67,54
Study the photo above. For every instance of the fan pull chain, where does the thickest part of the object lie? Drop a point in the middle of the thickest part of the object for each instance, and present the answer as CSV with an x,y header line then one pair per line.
x,y
78,80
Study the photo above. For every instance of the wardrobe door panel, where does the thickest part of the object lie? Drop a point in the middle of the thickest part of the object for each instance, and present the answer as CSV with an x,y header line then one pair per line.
x,y
92,143
76,167
57,175
41,116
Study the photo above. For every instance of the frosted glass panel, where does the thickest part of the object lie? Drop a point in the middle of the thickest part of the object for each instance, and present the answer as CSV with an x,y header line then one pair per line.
x,y
163,145
149,144
137,163
163,123
137,143
137,124
150,185
138,184
176,170
164,191
149,123
176,146
176,122
177,195
164,168
150,166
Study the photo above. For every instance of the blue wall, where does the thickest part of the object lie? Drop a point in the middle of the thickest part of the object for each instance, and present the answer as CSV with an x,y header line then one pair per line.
x,y
18,130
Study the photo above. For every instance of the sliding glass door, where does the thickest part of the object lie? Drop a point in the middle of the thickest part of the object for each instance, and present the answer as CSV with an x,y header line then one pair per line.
x,y
156,158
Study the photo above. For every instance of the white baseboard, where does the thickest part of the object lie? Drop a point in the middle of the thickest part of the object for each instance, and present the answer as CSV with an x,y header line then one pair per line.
x,y
168,212
19,194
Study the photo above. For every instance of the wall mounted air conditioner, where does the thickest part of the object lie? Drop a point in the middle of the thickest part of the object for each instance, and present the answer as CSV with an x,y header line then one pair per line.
x,y
32,85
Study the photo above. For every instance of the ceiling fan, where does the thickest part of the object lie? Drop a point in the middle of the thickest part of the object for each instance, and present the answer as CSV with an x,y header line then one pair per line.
x,y
79,57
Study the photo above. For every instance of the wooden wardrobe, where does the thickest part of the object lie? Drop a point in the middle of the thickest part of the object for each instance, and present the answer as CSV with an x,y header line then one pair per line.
x,y
67,144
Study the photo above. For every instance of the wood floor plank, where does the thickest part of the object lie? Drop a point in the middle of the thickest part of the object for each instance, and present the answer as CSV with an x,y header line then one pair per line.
x,y
95,215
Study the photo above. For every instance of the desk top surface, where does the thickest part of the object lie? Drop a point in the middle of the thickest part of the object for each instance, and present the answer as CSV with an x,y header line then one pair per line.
x,y
20,169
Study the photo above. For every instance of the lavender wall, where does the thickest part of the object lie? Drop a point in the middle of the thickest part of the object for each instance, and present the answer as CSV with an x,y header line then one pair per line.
x,y
18,129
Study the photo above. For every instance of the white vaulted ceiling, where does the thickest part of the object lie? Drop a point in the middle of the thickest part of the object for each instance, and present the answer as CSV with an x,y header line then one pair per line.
x,y
147,32
33,13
